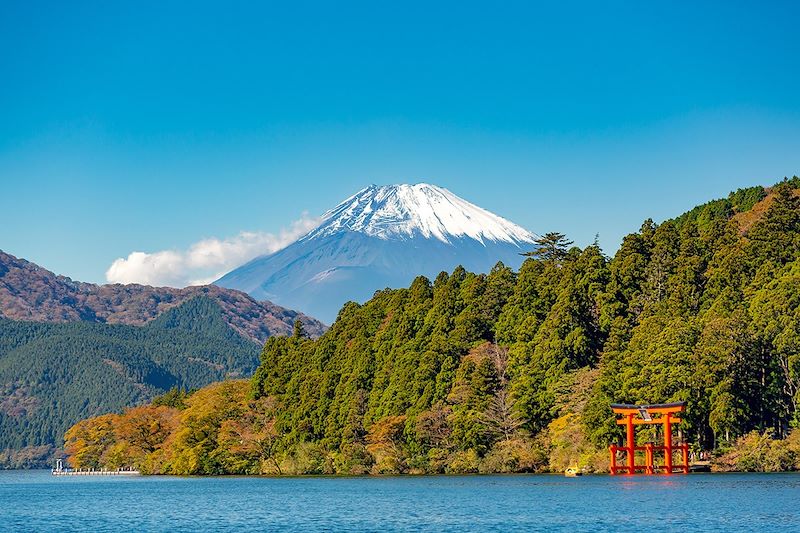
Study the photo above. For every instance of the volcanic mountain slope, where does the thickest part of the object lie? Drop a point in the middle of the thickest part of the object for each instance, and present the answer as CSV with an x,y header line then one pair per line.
x,y
29,292
383,236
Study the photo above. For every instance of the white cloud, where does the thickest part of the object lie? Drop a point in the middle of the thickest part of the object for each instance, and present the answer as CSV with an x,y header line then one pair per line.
x,y
204,261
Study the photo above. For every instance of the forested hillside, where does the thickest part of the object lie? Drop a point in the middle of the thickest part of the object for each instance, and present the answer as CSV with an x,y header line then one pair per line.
x,y
513,371
52,375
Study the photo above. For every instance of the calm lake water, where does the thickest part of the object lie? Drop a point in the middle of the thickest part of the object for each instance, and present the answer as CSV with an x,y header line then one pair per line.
x,y
36,501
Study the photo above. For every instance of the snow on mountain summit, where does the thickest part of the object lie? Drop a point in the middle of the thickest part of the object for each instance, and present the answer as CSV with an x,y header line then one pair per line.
x,y
404,211
382,236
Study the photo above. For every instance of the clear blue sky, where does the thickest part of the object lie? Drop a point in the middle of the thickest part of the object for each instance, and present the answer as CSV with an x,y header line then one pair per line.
x,y
150,126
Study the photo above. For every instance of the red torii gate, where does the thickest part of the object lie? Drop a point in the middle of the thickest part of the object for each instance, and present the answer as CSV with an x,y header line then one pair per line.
x,y
634,415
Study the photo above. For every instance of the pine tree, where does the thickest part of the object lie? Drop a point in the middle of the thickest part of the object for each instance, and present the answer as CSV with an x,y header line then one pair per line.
x,y
551,247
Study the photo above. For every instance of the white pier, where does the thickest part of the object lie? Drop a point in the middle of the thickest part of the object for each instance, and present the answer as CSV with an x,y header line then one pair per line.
x,y
59,470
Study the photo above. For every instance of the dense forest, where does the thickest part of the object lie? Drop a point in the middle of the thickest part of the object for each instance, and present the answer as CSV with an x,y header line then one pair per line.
x,y
52,375
514,371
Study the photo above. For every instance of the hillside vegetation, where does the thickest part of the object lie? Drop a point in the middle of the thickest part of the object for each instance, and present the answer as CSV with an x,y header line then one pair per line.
x,y
513,371
52,375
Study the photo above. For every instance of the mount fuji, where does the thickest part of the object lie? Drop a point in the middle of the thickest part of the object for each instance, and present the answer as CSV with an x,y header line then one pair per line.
x,y
383,236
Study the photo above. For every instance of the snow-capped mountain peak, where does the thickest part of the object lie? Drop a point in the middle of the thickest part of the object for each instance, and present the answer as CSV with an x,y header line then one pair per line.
x,y
382,236
397,212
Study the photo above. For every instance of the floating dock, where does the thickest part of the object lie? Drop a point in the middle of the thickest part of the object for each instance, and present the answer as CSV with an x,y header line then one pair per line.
x,y
91,472
59,470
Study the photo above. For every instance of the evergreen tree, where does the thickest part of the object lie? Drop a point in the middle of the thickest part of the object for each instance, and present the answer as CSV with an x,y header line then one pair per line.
x,y
299,331
551,247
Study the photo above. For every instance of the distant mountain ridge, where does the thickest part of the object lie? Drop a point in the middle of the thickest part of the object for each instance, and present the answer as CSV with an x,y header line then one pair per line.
x,y
383,236
30,292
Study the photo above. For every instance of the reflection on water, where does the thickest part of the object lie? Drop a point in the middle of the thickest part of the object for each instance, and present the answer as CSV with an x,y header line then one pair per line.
x,y
35,501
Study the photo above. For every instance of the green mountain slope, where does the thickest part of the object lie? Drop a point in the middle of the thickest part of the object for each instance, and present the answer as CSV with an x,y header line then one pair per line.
x,y
52,375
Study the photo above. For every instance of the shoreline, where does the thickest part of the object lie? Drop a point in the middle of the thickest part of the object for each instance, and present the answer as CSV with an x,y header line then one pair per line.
x,y
400,476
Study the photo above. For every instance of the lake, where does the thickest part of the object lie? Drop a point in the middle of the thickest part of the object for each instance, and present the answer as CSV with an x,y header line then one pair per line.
x,y
37,501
